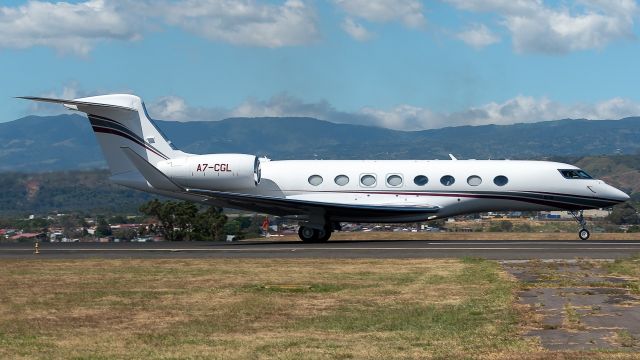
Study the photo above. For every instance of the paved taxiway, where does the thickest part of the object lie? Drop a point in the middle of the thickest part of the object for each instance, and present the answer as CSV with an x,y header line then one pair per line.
x,y
498,250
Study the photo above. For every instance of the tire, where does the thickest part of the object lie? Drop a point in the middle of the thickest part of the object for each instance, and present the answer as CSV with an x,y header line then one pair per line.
x,y
584,234
323,235
307,234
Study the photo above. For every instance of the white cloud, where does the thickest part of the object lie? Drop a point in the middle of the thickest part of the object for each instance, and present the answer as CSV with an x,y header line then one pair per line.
x,y
244,22
176,108
77,27
355,30
478,36
68,91
408,12
66,27
537,28
520,109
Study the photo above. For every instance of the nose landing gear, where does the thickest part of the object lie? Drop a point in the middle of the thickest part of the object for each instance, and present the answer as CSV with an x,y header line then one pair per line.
x,y
583,233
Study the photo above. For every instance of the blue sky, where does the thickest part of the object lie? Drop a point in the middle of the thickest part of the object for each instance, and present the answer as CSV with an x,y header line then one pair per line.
x,y
403,64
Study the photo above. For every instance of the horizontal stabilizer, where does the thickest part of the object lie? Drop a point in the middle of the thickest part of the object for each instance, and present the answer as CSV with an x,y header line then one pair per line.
x,y
68,103
154,177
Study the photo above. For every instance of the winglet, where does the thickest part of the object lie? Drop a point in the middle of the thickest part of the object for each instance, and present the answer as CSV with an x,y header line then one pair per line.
x,y
452,157
154,177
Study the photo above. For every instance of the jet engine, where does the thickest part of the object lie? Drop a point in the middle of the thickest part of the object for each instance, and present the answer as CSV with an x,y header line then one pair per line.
x,y
220,172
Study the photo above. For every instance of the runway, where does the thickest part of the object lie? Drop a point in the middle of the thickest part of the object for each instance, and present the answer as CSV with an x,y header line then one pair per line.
x,y
382,249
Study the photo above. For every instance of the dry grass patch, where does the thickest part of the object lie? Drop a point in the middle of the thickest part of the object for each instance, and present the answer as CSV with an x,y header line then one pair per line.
x,y
297,308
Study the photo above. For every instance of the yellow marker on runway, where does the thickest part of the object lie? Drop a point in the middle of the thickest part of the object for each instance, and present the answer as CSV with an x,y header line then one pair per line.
x,y
36,248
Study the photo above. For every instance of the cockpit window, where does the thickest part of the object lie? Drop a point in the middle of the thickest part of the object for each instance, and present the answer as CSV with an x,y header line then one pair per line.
x,y
574,174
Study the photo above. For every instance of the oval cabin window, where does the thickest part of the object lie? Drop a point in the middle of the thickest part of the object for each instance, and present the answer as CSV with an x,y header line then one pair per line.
x,y
368,180
315,180
500,180
421,180
474,180
447,180
394,180
341,180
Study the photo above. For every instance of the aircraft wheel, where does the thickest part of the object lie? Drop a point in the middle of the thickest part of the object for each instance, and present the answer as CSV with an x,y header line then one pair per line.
x,y
307,234
583,234
323,235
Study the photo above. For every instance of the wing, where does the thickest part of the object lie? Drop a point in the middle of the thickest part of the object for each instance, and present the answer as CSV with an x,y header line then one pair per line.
x,y
334,211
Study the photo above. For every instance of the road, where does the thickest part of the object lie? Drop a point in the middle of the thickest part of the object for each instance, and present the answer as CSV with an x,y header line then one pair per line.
x,y
383,249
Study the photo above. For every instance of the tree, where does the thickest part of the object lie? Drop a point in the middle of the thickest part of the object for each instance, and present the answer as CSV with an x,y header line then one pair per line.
x,y
624,214
118,219
103,228
232,227
183,220
126,233
172,217
210,225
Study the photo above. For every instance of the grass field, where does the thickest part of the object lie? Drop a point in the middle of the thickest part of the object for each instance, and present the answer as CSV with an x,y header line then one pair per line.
x,y
255,309
239,309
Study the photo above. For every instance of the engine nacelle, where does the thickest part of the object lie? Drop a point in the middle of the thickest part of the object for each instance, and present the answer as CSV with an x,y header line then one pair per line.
x,y
220,172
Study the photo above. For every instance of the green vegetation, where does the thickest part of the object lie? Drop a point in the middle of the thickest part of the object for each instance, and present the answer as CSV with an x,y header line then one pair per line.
x,y
68,191
629,268
624,214
183,220
241,309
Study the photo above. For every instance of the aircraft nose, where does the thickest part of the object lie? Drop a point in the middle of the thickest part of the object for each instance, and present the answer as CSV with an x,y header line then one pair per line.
x,y
616,194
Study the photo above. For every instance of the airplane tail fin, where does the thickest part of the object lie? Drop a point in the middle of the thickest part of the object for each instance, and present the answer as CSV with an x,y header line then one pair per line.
x,y
121,121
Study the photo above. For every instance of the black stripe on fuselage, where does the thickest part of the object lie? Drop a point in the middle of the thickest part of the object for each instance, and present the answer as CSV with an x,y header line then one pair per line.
x,y
558,200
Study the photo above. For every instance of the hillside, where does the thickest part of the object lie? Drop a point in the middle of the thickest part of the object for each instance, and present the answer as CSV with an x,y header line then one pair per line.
x,y
66,142
78,191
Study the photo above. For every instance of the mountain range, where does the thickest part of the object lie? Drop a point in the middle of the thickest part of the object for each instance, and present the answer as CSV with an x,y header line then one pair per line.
x,y
65,142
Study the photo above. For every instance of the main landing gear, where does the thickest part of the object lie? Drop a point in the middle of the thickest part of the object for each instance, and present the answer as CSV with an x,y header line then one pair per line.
x,y
583,233
311,235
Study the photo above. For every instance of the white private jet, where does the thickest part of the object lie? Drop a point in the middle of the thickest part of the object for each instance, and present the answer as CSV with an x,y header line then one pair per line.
x,y
323,193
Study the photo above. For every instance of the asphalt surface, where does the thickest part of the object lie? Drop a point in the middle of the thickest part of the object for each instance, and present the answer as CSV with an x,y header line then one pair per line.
x,y
383,249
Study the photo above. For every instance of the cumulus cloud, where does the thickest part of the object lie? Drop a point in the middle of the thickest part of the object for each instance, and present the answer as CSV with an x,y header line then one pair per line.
x,y
536,28
355,30
243,22
77,27
478,36
520,109
176,108
68,91
408,12
66,27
